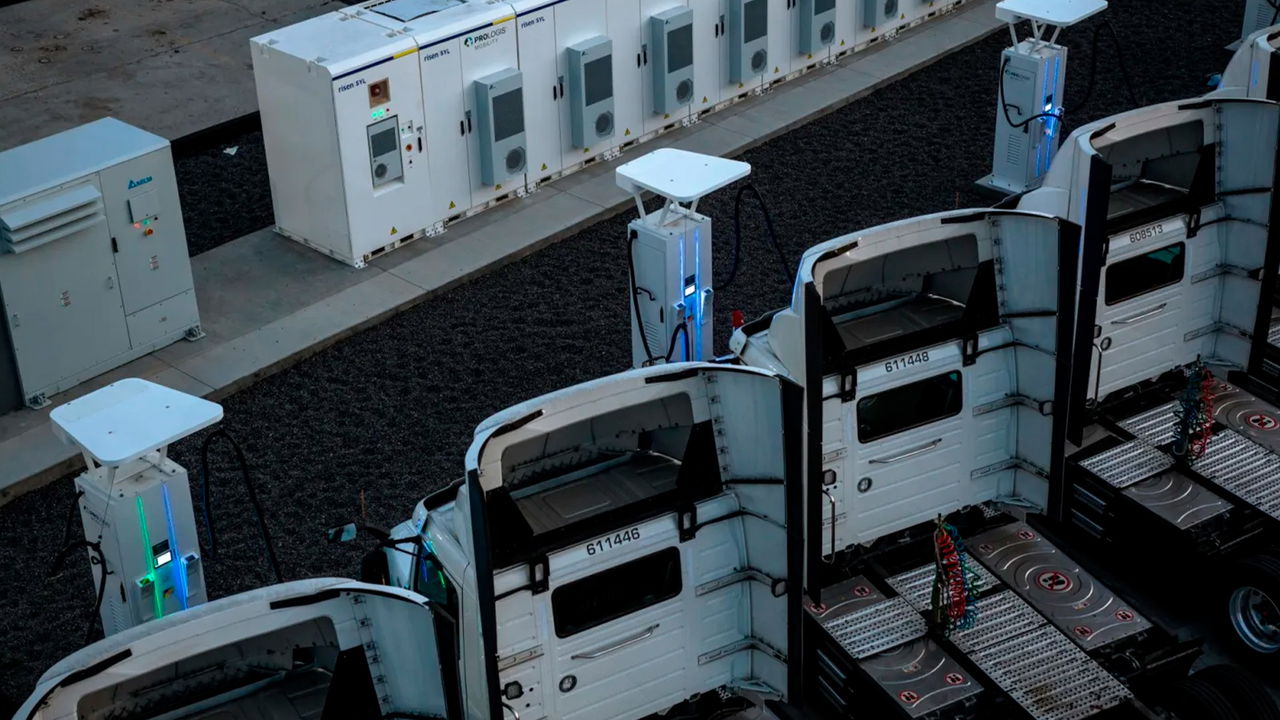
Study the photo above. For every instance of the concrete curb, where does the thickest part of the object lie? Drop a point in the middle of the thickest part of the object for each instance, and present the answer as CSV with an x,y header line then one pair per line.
x,y
259,294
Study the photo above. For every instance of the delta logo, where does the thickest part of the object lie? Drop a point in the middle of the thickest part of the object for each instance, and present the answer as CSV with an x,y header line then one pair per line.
x,y
139,182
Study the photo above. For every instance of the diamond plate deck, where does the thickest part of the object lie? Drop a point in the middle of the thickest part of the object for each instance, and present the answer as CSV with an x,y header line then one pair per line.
x,y
1156,426
917,585
1000,616
1178,499
1244,469
1128,463
863,621
921,677
1083,608
1049,677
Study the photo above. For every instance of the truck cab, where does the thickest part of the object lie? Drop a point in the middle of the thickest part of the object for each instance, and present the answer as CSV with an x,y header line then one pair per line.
x,y
618,548
1254,69
933,353
929,372
317,649
1172,445
1175,203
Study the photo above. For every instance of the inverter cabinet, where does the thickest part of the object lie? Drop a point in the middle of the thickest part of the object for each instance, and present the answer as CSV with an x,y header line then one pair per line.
x,y
94,270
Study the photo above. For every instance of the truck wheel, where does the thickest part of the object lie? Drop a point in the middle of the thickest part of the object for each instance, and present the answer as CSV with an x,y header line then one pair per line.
x,y
1194,699
1253,604
1246,693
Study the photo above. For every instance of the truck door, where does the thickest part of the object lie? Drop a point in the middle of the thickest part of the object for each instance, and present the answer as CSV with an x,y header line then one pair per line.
x,y
1141,299
908,427
632,627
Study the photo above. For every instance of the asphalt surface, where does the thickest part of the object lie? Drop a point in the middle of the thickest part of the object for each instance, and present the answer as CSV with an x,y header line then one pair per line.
x,y
369,426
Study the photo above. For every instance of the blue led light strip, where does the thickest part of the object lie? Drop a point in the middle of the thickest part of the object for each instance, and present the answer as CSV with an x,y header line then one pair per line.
x,y
697,293
173,548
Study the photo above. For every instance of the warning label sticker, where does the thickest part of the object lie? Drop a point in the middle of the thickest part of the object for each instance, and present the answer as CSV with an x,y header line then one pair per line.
x,y
861,591
1054,581
954,679
1263,421
1124,616
1026,535
909,697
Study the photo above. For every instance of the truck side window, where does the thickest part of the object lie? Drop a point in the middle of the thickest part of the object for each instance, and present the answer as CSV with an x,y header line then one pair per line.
x,y
430,581
909,406
616,592
1139,275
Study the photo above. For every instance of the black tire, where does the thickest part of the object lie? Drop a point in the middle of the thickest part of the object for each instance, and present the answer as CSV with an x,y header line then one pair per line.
x,y
1194,699
1261,574
1245,692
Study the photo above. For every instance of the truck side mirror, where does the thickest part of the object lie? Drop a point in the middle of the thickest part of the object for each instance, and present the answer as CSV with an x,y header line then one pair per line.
x,y
342,533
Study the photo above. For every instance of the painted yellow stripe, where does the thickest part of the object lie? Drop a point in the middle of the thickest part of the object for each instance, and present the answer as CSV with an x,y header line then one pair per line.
x,y
499,21
410,51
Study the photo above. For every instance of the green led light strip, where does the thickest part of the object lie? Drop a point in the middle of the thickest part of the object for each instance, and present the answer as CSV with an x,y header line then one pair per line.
x,y
146,545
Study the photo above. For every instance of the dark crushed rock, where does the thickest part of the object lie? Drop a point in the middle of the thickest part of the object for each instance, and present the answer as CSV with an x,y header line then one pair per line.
x,y
224,196
383,418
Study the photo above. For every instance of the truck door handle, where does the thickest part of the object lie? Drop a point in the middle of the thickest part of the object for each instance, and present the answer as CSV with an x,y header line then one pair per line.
x,y
642,635
907,454
1140,316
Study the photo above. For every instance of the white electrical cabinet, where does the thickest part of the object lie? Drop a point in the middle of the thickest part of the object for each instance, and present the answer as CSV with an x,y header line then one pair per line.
x,y
94,270
343,125
459,45
489,99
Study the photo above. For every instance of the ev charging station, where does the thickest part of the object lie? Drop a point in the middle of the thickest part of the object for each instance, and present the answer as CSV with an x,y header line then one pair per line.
x,y
1029,102
669,253
135,503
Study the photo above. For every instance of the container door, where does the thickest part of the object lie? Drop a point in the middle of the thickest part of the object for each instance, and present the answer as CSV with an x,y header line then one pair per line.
x,y
652,120
1140,331
61,294
782,44
708,53
576,21
152,259
544,89
486,51
628,70
446,130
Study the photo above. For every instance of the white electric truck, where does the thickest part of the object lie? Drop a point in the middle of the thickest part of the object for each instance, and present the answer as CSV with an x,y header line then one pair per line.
x,y
1174,432
636,547
933,353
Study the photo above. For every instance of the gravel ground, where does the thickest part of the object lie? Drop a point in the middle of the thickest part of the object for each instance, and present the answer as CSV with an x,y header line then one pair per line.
x,y
379,420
